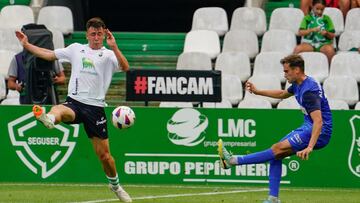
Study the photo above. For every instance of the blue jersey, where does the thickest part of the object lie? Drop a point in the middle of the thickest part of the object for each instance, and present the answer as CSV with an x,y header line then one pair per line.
x,y
310,95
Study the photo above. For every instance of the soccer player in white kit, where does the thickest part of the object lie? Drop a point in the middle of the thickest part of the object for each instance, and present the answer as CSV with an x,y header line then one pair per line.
x,y
92,67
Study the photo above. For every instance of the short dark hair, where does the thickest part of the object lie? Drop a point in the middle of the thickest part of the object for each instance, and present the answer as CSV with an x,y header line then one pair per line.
x,y
294,60
323,2
95,22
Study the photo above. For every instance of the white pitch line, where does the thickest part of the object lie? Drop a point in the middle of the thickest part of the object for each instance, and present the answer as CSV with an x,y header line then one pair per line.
x,y
169,155
179,195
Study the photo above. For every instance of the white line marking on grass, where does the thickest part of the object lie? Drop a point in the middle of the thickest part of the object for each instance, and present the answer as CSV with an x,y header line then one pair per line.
x,y
170,155
179,195
230,181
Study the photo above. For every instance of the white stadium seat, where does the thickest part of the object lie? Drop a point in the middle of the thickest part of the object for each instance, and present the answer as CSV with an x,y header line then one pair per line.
x,y
316,65
249,18
241,41
286,19
352,21
231,88
15,16
5,59
176,104
357,106
58,39
57,17
254,103
265,83
2,87
268,63
234,63
342,88
9,41
194,61
204,41
337,18
346,64
338,105
349,39
289,103
211,18
278,40
219,105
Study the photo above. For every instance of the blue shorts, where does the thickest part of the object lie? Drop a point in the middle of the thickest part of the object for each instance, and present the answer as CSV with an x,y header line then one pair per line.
x,y
300,137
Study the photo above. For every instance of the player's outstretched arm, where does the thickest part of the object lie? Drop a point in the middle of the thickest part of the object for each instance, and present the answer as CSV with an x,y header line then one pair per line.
x,y
278,94
37,51
110,40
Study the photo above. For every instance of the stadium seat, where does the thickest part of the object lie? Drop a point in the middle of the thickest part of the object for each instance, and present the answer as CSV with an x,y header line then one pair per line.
x,y
316,65
289,103
337,18
268,63
265,82
211,18
57,17
249,18
58,39
346,64
176,104
194,61
5,59
349,39
278,40
2,87
204,41
342,88
219,105
9,41
12,98
286,19
357,106
241,41
338,105
352,19
234,63
15,16
231,88
254,103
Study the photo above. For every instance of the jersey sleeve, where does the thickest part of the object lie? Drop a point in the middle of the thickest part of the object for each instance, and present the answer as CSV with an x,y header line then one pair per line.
x,y
115,64
311,101
13,68
304,23
330,24
65,53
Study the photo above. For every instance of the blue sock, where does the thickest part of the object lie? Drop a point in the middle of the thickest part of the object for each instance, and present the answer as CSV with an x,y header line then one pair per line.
x,y
275,177
258,157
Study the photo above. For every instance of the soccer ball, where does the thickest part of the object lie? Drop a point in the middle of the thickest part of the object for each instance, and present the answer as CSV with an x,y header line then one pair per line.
x,y
123,117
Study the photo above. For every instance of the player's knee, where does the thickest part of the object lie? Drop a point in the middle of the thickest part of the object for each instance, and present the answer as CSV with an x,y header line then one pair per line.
x,y
105,157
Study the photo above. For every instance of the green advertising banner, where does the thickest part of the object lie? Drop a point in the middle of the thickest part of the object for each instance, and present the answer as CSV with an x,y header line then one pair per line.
x,y
177,146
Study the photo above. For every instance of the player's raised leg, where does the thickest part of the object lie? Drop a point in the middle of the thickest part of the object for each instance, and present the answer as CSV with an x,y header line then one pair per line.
x,y
57,114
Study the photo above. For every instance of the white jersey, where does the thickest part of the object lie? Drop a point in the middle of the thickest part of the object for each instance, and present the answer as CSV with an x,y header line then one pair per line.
x,y
91,72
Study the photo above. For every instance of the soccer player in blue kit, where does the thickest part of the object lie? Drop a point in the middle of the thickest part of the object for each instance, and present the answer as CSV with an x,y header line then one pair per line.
x,y
314,133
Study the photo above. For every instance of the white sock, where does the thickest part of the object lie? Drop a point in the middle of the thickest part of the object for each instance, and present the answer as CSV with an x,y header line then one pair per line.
x,y
51,117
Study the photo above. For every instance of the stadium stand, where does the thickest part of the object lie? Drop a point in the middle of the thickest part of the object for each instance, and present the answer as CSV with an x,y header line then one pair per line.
x,y
211,18
278,40
268,64
254,103
337,17
17,2
10,16
9,41
289,103
342,88
241,41
57,17
194,61
5,59
205,41
249,18
316,65
234,63
286,19
357,106
2,87
58,38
